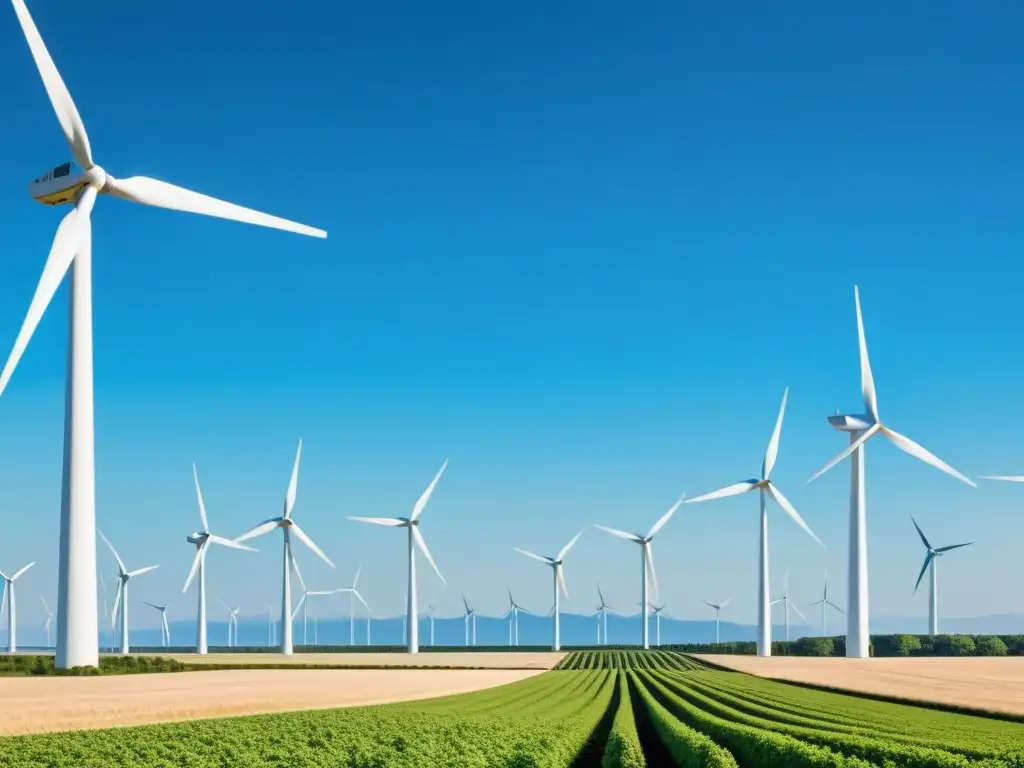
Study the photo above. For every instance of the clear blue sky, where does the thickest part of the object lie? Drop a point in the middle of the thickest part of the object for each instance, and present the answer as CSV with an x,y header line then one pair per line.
x,y
577,248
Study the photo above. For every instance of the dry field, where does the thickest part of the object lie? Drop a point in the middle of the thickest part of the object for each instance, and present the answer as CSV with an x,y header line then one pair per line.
x,y
538,661
37,704
989,683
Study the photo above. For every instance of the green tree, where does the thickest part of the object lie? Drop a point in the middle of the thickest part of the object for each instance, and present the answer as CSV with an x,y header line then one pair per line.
x,y
906,645
991,646
813,646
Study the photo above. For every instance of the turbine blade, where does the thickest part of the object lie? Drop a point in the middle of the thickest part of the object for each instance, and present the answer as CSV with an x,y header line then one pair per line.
x,y
710,605
21,571
665,518
541,558
360,599
793,606
426,552
394,522
927,561
867,435
117,600
817,602
309,543
117,557
725,602
783,502
621,534
293,484
772,453
140,571
920,533
953,546
560,573
265,527
66,243
60,98
200,550
298,573
299,605
230,543
160,194
730,490
355,581
776,600
1005,478
199,498
565,550
152,606
836,607
422,502
867,381
45,606
919,452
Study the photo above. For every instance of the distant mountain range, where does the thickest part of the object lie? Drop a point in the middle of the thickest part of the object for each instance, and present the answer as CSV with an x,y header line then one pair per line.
x,y
535,630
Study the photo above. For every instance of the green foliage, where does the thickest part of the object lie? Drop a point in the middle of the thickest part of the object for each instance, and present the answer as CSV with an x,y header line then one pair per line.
x,y
990,646
953,645
814,646
623,749
628,660
109,665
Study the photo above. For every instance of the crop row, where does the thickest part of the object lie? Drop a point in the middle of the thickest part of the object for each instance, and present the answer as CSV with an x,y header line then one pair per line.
x,y
628,660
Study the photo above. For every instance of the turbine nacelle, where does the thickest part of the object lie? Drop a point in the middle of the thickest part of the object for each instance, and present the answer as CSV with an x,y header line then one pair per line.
x,y
851,423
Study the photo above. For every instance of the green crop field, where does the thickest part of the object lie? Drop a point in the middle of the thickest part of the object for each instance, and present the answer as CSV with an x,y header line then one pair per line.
x,y
598,708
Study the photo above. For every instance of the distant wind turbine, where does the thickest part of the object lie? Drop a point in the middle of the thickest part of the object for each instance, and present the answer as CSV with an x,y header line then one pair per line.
x,y
430,615
787,603
718,615
415,539
766,488
288,527
49,621
304,602
470,617
12,639
646,564
233,624
512,614
602,616
558,577
657,623
121,598
165,630
825,603
353,595
929,560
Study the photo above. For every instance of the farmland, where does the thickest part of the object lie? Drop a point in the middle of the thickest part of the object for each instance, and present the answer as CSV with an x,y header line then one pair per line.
x,y
610,708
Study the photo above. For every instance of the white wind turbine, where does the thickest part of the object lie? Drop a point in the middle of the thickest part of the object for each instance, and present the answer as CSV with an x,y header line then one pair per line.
x,y
232,623
430,615
49,621
165,630
766,489
412,525
304,604
77,636
862,427
787,603
512,614
353,595
203,540
602,617
121,598
657,623
825,603
470,617
718,616
929,560
558,580
646,562
288,527
12,640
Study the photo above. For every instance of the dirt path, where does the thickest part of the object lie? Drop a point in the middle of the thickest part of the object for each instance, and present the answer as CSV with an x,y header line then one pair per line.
x,y
989,683
37,704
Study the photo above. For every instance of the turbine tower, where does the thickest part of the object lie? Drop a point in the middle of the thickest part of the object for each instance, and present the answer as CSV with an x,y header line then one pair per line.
x,y
121,598
165,630
787,603
12,639
929,560
412,525
49,621
646,562
718,615
558,581
766,488
602,617
77,636
202,540
825,603
862,427
430,615
288,527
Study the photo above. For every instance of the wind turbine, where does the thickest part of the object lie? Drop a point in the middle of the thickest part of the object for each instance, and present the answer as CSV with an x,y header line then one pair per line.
x,y
411,524
558,580
121,598
512,614
288,527
646,562
933,597
203,540
233,623
470,616
657,623
165,630
602,616
77,636
353,595
12,640
766,489
863,427
49,620
270,627
825,603
718,614
787,603
430,614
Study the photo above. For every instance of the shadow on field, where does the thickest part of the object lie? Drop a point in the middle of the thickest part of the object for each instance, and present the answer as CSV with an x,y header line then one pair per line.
x,y
592,752
654,749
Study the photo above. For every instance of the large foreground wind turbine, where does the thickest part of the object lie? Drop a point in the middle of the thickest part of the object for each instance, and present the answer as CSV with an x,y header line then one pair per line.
x,y
165,630
558,577
766,489
77,636
718,616
121,598
646,562
929,560
12,640
825,603
203,540
288,527
415,539
862,427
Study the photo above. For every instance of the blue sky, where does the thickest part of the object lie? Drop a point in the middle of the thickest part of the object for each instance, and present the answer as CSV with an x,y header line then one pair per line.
x,y
579,250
